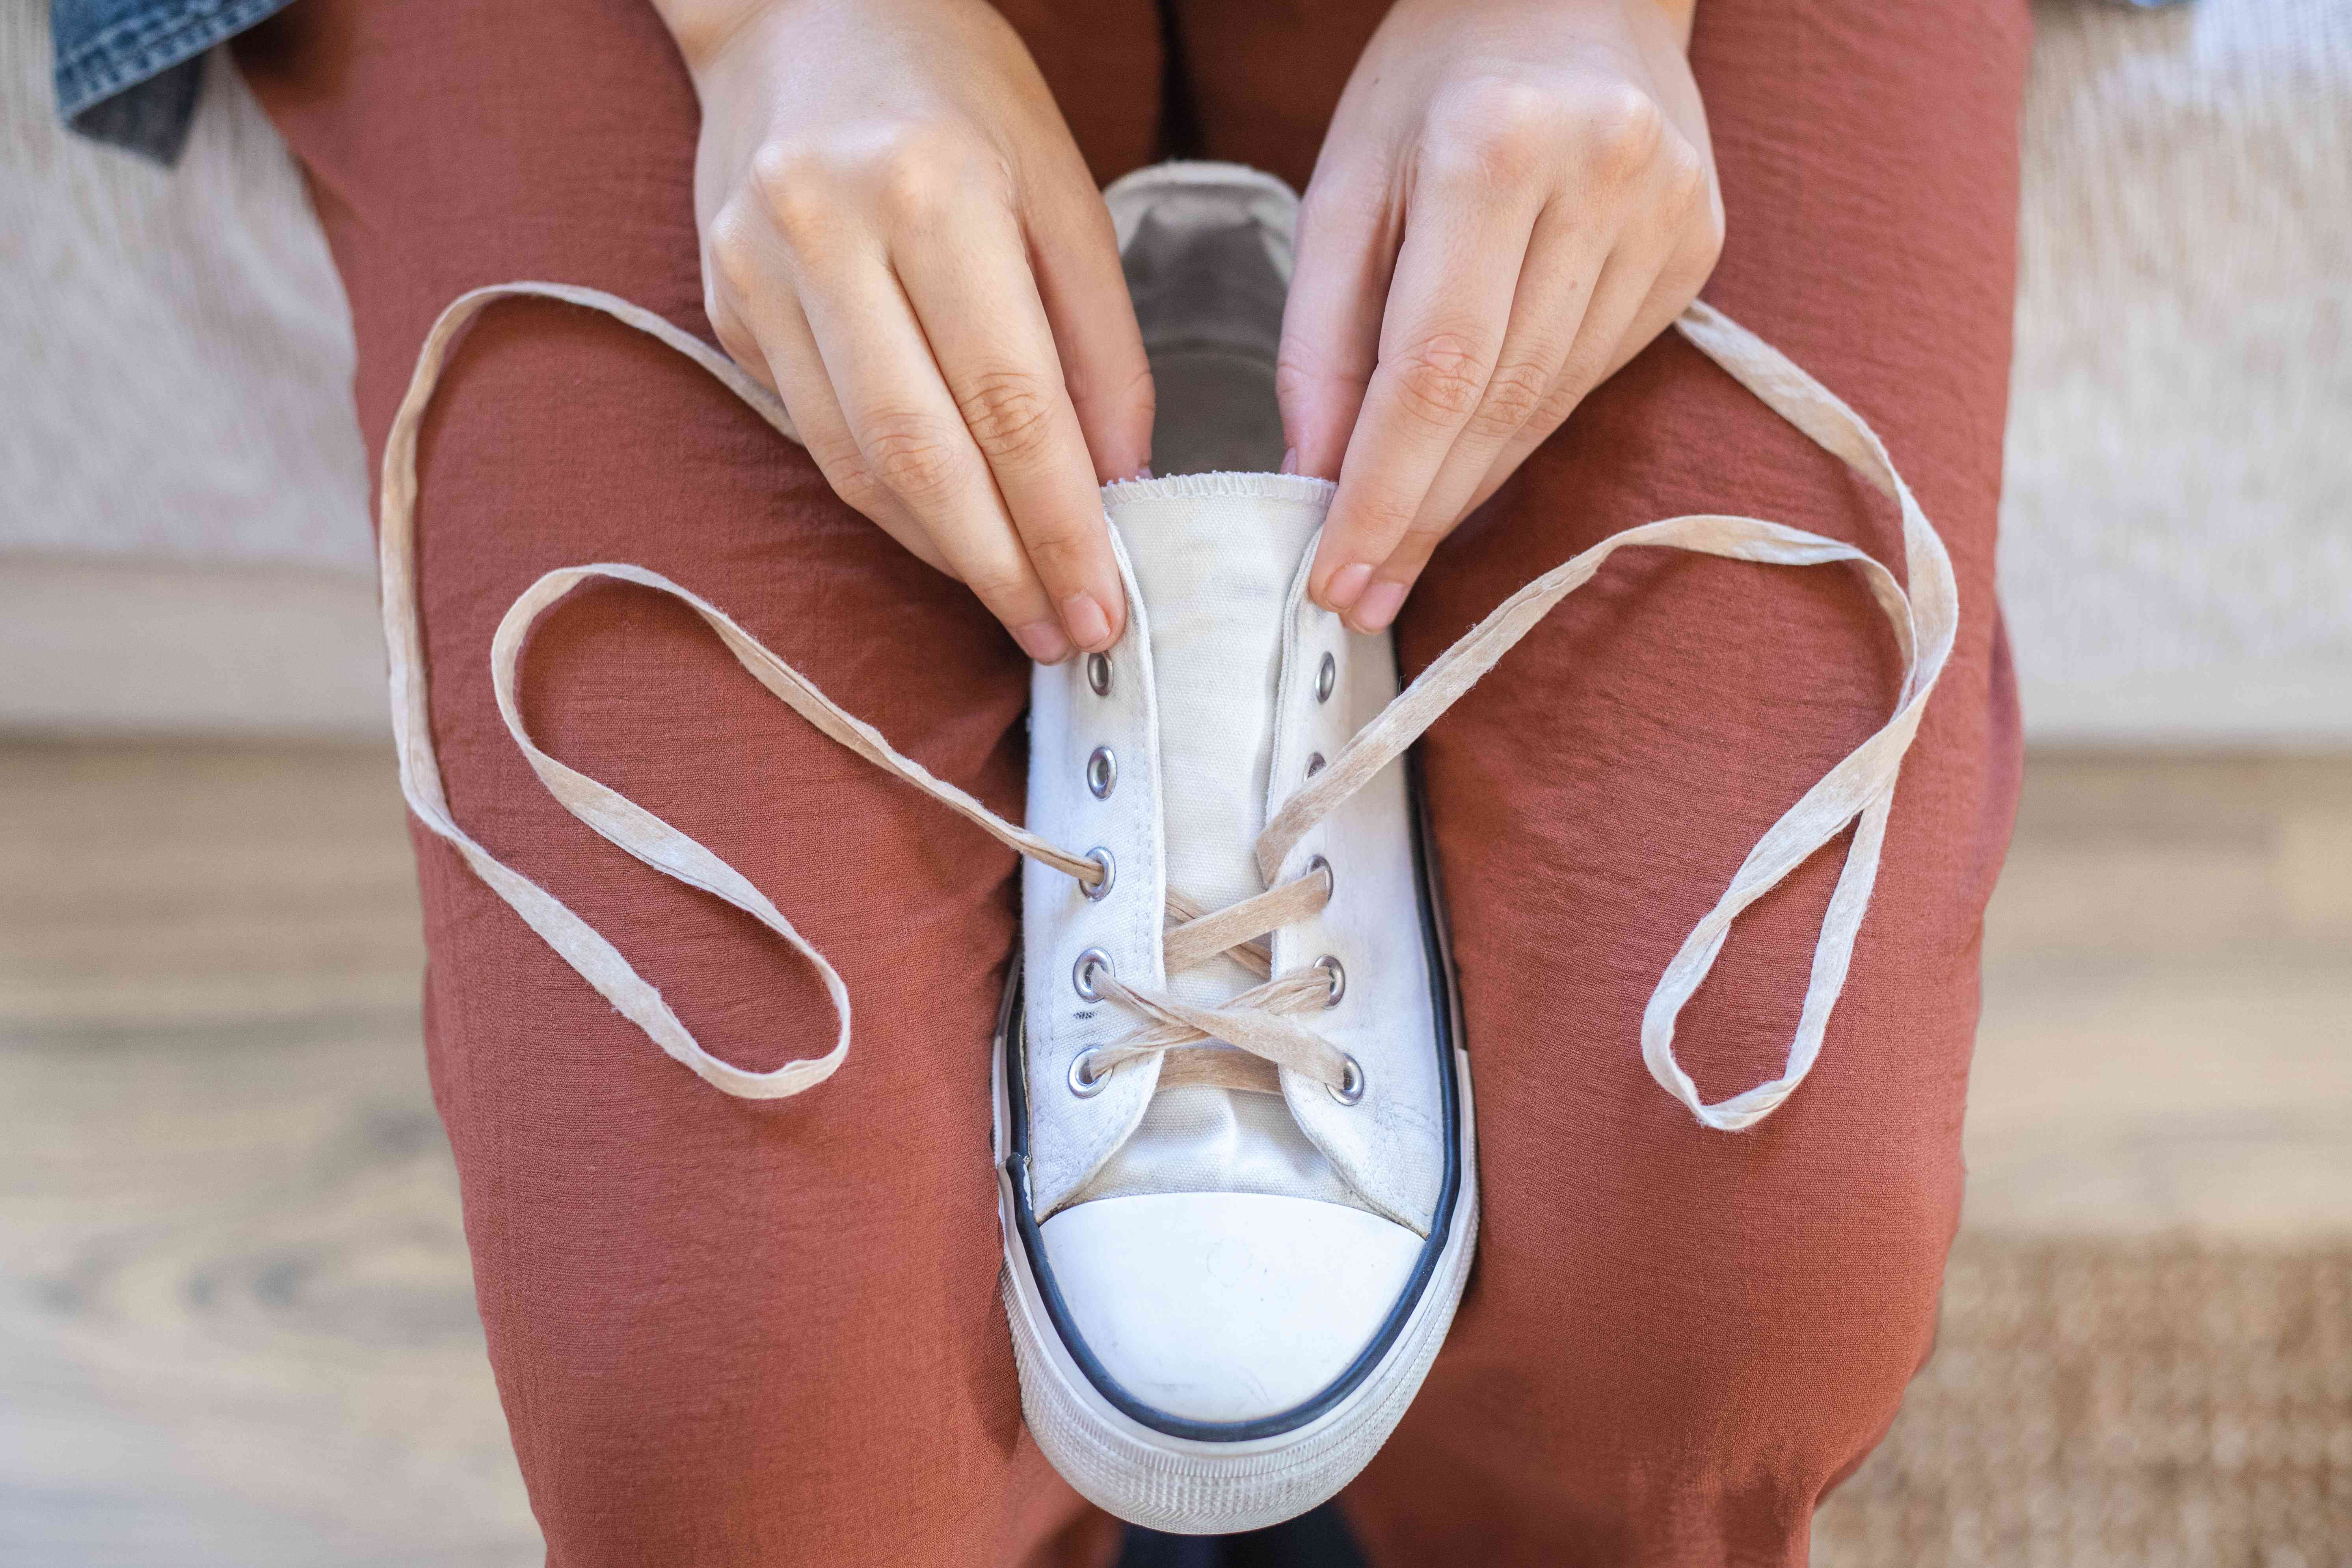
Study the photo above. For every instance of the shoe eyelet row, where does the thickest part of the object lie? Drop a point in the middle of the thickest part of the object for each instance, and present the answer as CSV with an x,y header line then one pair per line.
x,y
1350,1089
1085,1082
1102,777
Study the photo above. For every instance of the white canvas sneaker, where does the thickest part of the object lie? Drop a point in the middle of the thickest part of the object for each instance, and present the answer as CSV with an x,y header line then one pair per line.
x,y
1234,1137
1239,1186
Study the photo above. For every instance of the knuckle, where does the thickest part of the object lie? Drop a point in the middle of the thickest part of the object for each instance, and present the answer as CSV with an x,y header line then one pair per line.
x,y
1705,236
854,483
1009,413
999,588
1381,523
1058,553
740,346
1514,397
1691,229
1623,130
924,169
1441,378
731,250
794,187
1683,176
910,172
844,468
1493,132
717,308
1560,399
911,457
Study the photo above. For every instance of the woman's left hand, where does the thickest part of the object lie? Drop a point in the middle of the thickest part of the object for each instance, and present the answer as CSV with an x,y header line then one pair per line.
x,y
1515,198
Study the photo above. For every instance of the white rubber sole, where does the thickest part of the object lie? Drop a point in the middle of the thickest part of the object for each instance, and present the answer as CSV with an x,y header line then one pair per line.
x,y
1187,1487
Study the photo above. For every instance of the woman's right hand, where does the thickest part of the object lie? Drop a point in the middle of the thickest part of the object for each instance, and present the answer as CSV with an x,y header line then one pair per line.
x,y
901,238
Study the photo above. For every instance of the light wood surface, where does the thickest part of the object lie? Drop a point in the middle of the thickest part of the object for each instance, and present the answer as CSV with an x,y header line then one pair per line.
x,y
236,1322
2166,1039
235,1317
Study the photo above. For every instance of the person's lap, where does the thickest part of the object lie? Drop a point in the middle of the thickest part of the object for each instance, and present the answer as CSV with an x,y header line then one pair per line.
x,y
1678,1339
736,1331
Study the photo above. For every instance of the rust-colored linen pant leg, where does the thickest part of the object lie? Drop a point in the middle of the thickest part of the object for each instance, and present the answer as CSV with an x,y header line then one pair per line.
x,y
750,1334
1677,1340
725,1332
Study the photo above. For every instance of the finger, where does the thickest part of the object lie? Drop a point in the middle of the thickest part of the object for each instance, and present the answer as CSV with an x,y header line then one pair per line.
x,y
1345,254
966,273
1677,283
1564,261
912,440
1448,307
1687,225
735,335
1075,252
1623,296
781,353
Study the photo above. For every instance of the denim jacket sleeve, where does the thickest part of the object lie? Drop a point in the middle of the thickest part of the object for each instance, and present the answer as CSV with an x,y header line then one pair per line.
x,y
128,71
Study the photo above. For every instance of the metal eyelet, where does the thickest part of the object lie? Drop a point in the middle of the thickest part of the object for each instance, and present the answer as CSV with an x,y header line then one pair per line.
x,y
1320,864
1325,679
1102,772
1082,974
1335,976
1351,1088
1085,1083
1314,763
1099,673
1096,891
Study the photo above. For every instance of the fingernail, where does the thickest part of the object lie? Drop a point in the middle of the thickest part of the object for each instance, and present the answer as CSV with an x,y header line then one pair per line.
x,y
1043,641
1089,628
1378,605
1346,584
1290,460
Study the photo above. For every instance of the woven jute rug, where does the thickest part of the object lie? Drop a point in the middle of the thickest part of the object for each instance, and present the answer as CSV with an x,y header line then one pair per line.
x,y
2150,1404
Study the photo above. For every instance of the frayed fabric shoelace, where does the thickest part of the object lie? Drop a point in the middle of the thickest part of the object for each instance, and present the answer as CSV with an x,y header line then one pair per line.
x,y
1859,790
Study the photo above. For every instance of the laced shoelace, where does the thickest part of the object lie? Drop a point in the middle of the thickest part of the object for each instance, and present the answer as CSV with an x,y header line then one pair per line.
x,y
1198,1043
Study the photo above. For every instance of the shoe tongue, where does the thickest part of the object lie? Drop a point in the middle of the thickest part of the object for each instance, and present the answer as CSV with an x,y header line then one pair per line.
x,y
1215,556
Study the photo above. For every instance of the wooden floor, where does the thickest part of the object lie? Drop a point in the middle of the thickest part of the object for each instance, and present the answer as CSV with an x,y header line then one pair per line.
x,y
235,1320
2167,1039
236,1323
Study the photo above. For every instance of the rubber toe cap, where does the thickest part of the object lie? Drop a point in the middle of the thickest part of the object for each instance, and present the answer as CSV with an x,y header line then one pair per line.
x,y
1226,1306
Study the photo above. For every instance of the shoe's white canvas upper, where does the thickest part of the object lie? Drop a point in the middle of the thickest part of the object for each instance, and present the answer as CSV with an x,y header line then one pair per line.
x,y
1213,712
1213,716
